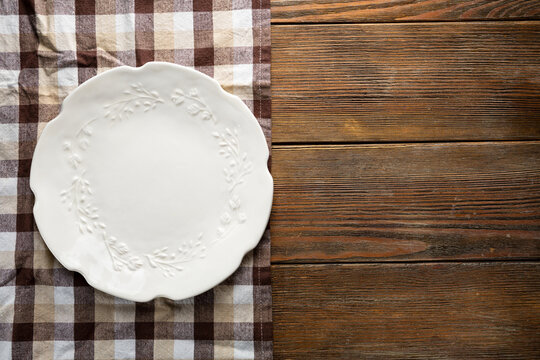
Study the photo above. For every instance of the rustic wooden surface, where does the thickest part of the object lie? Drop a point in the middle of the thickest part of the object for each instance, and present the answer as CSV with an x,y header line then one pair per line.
x,y
287,11
406,160
406,82
397,311
406,202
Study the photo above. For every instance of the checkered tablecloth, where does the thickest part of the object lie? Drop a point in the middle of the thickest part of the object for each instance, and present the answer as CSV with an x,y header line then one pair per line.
x,y
47,48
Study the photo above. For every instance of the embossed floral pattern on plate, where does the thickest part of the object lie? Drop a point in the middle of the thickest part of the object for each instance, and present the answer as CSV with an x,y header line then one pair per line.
x,y
79,195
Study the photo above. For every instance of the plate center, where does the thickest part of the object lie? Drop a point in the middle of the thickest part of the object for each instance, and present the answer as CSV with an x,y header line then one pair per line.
x,y
157,179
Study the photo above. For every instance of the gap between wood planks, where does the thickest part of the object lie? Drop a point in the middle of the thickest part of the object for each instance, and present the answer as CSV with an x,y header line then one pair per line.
x,y
290,144
399,22
406,262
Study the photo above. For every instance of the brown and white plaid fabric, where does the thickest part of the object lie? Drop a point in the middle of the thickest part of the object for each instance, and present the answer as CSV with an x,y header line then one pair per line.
x,y
47,48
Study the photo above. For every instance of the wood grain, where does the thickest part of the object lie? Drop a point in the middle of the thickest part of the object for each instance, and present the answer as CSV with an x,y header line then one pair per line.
x,y
406,82
407,311
286,11
406,202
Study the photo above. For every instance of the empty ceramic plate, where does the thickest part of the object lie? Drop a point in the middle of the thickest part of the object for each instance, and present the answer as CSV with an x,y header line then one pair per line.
x,y
152,181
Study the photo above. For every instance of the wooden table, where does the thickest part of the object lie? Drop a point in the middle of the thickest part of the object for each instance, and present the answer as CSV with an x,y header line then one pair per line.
x,y
406,159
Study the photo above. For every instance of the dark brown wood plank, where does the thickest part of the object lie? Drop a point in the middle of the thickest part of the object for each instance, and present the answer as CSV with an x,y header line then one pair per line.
x,y
406,82
406,202
286,11
407,311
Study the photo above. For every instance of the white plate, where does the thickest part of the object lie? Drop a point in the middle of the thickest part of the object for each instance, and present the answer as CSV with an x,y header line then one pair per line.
x,y
152,181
